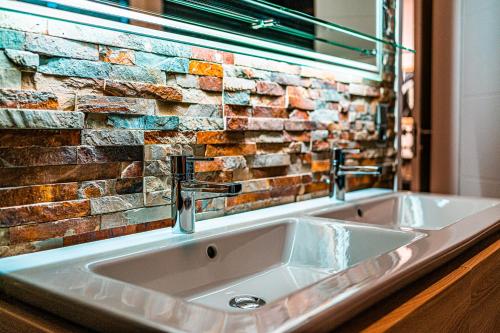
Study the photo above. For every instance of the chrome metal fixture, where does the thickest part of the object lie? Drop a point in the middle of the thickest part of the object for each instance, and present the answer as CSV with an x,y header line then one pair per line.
x,y
338,172
186,190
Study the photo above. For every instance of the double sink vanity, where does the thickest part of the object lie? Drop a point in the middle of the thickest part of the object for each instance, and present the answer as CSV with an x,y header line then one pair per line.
x,y
282,268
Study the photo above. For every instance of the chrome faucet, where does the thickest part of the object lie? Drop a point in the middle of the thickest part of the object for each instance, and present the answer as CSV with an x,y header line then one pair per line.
x,y
186,190
338,172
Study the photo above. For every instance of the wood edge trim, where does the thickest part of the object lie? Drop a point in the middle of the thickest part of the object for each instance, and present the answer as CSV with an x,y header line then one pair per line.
x,y
388,321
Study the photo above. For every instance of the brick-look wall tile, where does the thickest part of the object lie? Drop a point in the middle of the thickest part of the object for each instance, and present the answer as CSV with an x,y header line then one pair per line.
x,y
43,212
24,99
89,118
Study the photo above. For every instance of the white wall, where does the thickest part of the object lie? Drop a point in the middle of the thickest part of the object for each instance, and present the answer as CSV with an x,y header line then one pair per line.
x,y
466,98
479,170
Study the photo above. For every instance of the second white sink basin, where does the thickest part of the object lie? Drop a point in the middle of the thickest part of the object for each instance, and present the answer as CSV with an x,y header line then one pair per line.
x,y
419,211
267,262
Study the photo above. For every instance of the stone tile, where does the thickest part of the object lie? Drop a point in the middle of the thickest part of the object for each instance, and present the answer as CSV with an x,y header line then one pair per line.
x,y
162,151
210,83
105,154
197,96
191,110
157,198
246,73
116,55
298,99
10,78
137,74
299,115
363,90
324,116
184,80
253,124
75,67
166,123
230,150
114,121
17,249
27,99
37,175
112,137
205,54
287,79
131,169
268,101
34,156
95,188
237,110
218,137
205,68
299,125
36,119
39,138
238,84
43,212
135,216
24,195
129,185
157,168
268,160
264,137
61,228
154,183
24,59
11,39
269,88
237,98
109,37
116,203
61,47
169,137
114,104
167,64
144,90
200,124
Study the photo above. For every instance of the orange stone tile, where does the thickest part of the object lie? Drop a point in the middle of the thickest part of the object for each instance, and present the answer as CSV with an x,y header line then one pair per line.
x,y
45,212
205,68
230,150
25,195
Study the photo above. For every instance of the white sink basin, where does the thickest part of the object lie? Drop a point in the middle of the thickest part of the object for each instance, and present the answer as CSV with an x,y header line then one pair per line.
x,y
269,261
418,211
308,270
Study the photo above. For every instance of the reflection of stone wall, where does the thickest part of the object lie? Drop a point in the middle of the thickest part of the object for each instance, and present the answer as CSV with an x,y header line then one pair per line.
x,y
88,118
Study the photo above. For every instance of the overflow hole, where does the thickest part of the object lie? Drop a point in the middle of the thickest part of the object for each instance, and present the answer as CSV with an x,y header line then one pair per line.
x,y
359,212
211,251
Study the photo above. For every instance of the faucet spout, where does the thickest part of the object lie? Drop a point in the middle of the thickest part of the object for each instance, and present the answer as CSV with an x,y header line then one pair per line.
x,y
338,171
209,190
186,190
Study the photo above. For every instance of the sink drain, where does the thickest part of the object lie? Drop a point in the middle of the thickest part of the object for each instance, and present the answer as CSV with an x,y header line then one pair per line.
x,y
246,302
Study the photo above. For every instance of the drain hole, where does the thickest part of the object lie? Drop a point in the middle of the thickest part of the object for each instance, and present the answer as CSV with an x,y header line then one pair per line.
x,y
359,212
211,251
246,302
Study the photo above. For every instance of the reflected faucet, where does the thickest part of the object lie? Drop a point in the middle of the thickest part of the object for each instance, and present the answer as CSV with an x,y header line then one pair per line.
x,y
338,172
186,190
